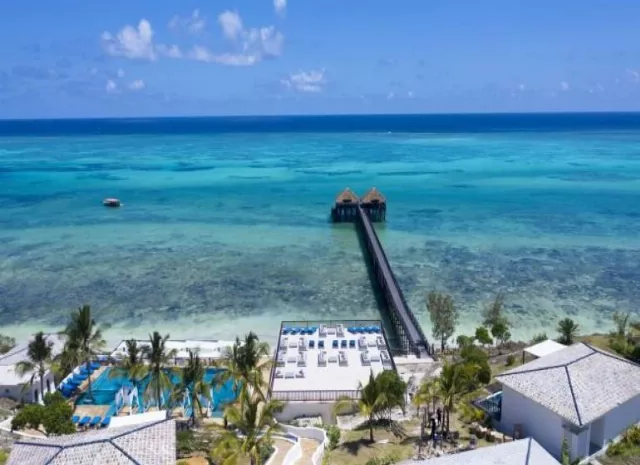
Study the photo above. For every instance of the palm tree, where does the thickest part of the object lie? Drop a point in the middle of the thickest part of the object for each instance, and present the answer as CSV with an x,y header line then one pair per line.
x,y
427,394
84,336
244,364
254,419
568,330
373,401
192,383
39,360
452,382
132,367
159,359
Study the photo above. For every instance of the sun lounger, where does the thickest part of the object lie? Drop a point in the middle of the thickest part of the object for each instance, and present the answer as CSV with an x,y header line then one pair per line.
x,y
293,331
320,344
95,421
300,374
380,341
285,342
75,419
362,343
285,331
291,359
343,344
302,359
323,330
333,359
334,344
375,357
384,355
342,358
281,359
351,329
95,365
322,358
302,344
312,344
340,330
85,421
364,356
105,421
371,343
289,374
278,374
352,344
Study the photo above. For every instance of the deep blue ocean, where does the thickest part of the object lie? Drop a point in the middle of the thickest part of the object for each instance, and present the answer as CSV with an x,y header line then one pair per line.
x,y
225,225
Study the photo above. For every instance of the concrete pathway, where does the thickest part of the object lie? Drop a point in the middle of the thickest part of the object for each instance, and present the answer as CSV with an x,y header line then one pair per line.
x,y
309,446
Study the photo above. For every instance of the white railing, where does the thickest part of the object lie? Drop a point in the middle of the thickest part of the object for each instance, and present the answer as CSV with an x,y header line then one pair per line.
x,y
309,432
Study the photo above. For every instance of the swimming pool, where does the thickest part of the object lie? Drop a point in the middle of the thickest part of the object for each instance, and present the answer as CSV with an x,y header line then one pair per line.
x,y
106,387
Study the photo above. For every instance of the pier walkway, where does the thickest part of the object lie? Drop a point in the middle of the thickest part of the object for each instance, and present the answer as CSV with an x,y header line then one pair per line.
x,y
362,211
409,331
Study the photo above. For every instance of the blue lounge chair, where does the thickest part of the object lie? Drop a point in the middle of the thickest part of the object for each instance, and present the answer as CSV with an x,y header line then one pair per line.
x,y
85,421
96,420
335,344
105,421
293,331
285,331
312,344
343,344
79,378
352,344
320,344
95,365
75,419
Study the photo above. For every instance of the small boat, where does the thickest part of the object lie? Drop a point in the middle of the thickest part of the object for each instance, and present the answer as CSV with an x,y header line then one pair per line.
x,y
111,202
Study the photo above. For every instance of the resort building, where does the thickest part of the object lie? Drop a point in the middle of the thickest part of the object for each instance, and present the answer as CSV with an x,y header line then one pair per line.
x,y
580,393
12,385
522,452
207,349
152,443
317,363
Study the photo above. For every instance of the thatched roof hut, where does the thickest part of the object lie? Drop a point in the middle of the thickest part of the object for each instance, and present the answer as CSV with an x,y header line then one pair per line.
x,y
373,196
347,196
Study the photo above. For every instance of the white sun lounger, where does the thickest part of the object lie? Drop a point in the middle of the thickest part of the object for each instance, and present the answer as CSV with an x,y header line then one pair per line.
x,y
342,358
289,374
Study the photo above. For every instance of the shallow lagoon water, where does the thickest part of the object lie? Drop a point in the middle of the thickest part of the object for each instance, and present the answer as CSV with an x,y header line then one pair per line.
x,y
222,233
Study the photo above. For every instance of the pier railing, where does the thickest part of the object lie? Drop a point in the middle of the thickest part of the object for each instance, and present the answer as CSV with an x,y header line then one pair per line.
x,y
315,395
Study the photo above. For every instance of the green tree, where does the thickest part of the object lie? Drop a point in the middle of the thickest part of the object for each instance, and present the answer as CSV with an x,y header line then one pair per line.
x,y
6,343
621,321
464,341
537,338
132,366
568,331
254,420
444,316
159,372
39,360
500,331
193,384
482,336
452,383
381,394
84,336
494,312
53,418
428,394
565,454
476,363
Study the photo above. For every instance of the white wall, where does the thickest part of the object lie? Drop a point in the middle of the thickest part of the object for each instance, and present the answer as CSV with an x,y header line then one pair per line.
x,y
537,421
293,410
19,393
621,418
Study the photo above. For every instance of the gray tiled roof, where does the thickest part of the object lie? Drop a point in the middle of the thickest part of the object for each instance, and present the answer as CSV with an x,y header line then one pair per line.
x,y
579,383
522,452
147,444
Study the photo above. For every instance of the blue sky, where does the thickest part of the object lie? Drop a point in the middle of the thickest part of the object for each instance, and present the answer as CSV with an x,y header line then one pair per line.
x,y
72,58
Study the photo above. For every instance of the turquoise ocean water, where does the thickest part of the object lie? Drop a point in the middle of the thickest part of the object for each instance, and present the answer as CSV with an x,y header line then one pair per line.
x,y
223,230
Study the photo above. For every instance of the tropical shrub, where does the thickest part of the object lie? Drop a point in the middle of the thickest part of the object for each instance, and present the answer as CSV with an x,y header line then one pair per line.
x,y
511,360
53,418
333,434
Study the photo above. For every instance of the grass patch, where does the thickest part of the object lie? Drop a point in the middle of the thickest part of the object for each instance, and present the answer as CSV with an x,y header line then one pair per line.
x,y
601,341
397,441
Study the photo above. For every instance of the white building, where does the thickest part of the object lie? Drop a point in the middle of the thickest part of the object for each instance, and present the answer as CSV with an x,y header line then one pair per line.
x,y
206,349
580,393
522,452
17,387
323,363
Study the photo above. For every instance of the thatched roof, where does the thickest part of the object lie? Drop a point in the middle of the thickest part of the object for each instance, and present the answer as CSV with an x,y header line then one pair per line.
x,y
373,196
347,196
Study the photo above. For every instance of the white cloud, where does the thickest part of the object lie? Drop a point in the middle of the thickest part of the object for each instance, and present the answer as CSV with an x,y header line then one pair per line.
x,y
280,6
521,87
306,81
231,24
193,24
120,72
93,70
410,94
170,51
635,75
391,95
131,42
111,87
564,85
138,84
200,53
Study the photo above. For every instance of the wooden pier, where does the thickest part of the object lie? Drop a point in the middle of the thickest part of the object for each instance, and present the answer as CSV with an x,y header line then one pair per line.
x,y
373,207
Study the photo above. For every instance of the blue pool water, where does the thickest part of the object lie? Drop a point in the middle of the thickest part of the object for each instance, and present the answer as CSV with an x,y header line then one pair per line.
x,y
106,387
